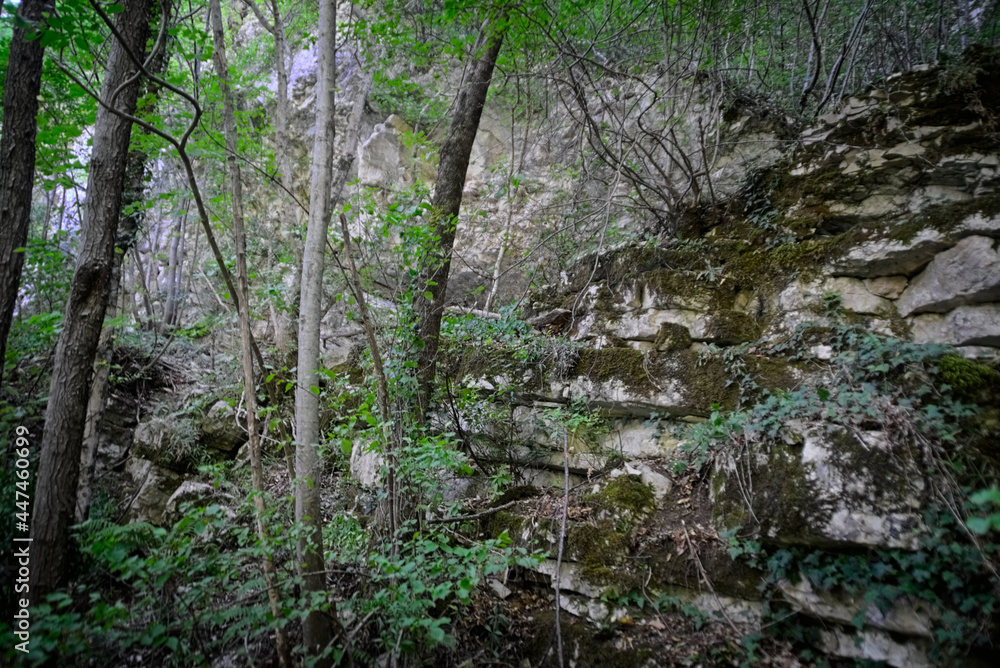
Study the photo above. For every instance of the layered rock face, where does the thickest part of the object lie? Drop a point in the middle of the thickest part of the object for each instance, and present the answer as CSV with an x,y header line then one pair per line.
x,y
885,219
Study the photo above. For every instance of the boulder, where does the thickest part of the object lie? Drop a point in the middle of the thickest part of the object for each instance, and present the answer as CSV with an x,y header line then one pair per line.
x,y
342,356
383,160
671,289
657,481
199,493
553,321
725,328
169,442
931,328
905,617
220,431
639,439
644,325
156,485
976,325
969,273
627,382
873,646
366,464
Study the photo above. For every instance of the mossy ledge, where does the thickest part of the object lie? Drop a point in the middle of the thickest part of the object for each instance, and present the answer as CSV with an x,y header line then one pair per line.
x,y
624,364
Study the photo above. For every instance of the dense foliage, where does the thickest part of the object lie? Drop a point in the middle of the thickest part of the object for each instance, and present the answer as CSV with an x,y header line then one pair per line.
x,y
631,98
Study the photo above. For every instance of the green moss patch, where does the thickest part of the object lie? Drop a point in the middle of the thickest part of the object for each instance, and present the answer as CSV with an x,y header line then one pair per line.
x,y
784,499
970,381
600,549
672,337
624,364
626,493
761,267
626,501
497,523
729,328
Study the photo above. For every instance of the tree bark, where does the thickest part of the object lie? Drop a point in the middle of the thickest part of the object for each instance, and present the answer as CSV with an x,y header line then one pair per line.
x,y
243,307
287,320
136,172
316,628
447,202
173,273
65,415
17,157
140,275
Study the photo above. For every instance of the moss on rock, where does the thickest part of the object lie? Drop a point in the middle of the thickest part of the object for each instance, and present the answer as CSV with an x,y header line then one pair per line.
x,y
704,379
729,328
763,266
970,381
497,523
624,364
672,337
627,493
584,643
600,549
784,499
626,501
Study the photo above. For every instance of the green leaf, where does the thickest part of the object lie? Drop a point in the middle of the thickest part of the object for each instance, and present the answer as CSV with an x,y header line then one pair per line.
x,y
979,525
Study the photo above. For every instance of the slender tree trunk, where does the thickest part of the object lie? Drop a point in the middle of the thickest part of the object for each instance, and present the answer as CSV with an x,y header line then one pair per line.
x,y
62,212
65,415
284,320
173,274
17,156
243,306
447,201
194,264
136,172
140,274
179,273
50,199
288,319
130,281
316,629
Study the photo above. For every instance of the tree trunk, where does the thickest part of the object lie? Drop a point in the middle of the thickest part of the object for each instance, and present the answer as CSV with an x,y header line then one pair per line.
x,y
243,307
447,201
136,171
140,275
316,628
97,402
285,320
283,156
179,273
173,274
17,157
65,415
